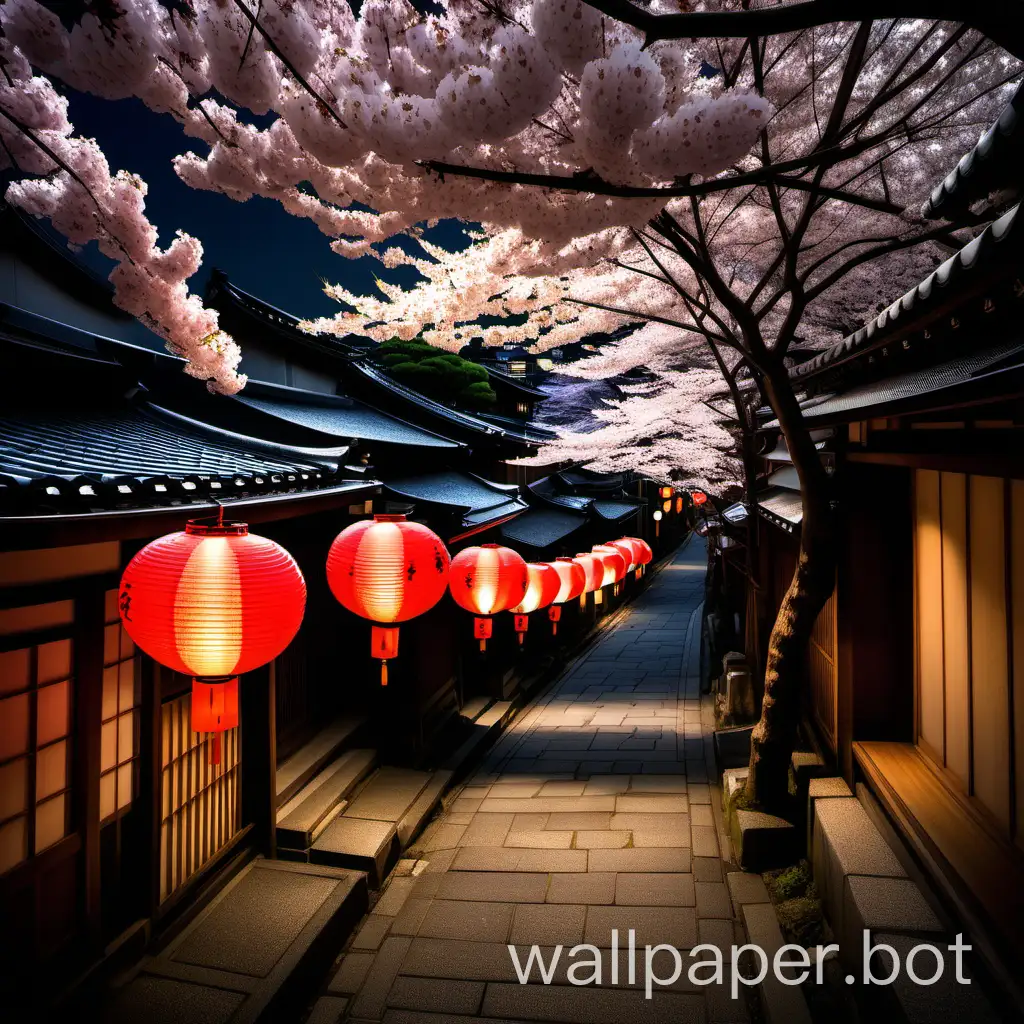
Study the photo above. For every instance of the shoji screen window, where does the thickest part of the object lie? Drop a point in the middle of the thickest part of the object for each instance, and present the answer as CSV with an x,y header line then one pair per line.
x,y
35,749
119,747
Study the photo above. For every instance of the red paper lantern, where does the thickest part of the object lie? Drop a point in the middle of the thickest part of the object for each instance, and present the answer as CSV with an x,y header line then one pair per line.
x,y
614,563
627,549
543,584
213,601
643,553
486,580
593,569
572,582
665,492
679,503
698,497
387,570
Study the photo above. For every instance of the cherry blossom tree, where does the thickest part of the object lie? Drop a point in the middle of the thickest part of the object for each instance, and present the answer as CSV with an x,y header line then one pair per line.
x,y
750,179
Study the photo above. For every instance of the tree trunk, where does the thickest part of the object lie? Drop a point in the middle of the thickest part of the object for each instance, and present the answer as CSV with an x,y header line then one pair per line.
x,y
774,736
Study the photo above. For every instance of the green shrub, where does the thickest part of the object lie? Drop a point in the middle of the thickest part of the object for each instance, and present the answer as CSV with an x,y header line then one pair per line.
x,y
442,376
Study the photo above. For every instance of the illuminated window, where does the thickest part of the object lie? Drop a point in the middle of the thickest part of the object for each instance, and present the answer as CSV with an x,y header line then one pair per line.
x,y
517,368
119,748
200,802
523,407
35,746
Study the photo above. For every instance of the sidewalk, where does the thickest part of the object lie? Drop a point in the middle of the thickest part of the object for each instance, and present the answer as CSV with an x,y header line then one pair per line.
x,y
593,814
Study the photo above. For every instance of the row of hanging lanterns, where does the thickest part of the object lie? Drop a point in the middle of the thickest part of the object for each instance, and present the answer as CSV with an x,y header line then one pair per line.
x,y
214,601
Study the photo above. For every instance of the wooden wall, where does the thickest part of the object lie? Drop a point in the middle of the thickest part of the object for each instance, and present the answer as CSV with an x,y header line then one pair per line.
x,y
969,619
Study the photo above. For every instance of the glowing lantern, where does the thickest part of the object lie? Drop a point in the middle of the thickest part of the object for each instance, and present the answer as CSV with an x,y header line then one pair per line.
x,y
572,582
387,570
698,497
665,492
593,569
666,507
614,563
628,550
213,601
657,515
543,584
644,552
486,580
679,503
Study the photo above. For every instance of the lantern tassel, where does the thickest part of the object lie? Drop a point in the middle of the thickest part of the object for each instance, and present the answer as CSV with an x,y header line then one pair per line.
x,y
215,749
383,673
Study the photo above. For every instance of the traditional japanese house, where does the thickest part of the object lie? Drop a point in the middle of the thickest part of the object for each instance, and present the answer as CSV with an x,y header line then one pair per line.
x,y
916,671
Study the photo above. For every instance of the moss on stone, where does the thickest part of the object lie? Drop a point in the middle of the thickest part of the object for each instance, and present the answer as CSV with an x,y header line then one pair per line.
x,y
790,883
800,920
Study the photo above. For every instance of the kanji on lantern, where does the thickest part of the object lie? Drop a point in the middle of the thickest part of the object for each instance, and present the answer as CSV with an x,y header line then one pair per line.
x,y
212,601
387,570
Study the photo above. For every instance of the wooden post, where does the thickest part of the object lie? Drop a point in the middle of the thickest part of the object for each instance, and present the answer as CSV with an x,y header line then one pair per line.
x,y
259,757
88,643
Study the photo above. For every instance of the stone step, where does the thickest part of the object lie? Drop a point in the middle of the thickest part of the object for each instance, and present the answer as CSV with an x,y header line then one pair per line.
x,y
419,813
307,762
484,726
216,972
388,795
362,843
302,818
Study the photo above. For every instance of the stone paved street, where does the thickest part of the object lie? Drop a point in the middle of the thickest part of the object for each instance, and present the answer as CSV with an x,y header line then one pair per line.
x,y
593,813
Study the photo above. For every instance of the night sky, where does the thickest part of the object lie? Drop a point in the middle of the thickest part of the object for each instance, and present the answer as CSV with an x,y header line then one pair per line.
x,y
264,250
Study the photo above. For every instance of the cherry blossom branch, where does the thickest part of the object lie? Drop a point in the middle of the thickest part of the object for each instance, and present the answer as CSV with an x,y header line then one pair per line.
x,y
1000,25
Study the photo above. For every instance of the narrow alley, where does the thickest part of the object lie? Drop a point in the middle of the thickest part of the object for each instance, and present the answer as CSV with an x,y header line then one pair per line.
x,y
592,815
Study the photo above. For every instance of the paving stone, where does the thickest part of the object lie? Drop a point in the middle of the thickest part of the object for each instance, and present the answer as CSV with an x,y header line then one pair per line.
x,y
591,888
705,841
410,917
547,924
746,887
652,925
652,837
435,995
350,975
634,821
601,840
459,959
781,1002
666,859
467,919
713,900
397,892
582,820
372,933
542,840
549,804
707,869
369,1003
388,794
658,803
327,1010
654,890
439,860
658,784
486,830
506,887
562,788
585,1005
552,860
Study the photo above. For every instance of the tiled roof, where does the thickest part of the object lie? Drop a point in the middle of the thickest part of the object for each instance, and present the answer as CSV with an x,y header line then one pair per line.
x,y
542,527
992,163
139,455
998,244
339,417
782,505
479,501
615,510
906,387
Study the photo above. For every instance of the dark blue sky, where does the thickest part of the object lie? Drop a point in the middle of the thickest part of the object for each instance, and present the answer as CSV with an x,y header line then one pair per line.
x,y
264,250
